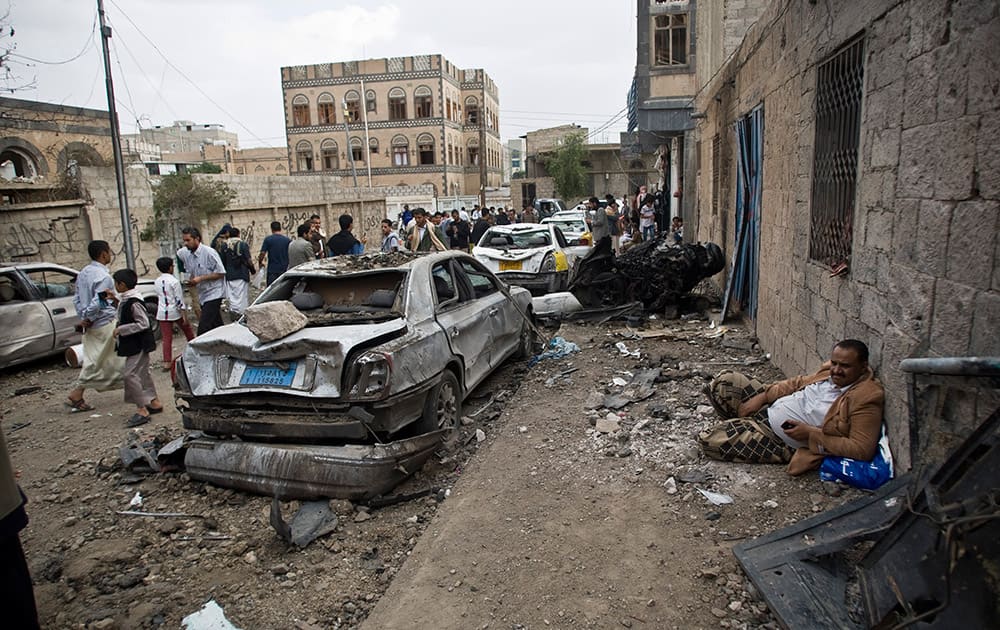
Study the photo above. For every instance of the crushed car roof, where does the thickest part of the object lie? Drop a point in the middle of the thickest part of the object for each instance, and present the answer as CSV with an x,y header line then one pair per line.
x,y
375,261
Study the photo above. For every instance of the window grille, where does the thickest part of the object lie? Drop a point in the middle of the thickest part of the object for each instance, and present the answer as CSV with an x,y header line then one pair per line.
x,y
839,87
716,169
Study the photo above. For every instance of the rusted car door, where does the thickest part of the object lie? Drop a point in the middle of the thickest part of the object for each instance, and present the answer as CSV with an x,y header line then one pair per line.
x,y
56,288
465,320
25,324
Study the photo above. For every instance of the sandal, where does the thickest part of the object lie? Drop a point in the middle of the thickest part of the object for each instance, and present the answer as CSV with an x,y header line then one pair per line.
x,y
153,410
136,420
78,405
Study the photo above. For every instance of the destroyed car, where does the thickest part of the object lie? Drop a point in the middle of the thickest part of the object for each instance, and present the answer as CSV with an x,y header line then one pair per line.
x,y
355,400
656,272
574,226
535,256
37,315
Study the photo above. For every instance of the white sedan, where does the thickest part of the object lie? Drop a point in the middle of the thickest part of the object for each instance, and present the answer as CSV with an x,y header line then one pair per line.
x,y
574,226
531,255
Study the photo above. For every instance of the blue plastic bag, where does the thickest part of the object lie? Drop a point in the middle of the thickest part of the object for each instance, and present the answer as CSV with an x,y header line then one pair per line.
x,y
858,473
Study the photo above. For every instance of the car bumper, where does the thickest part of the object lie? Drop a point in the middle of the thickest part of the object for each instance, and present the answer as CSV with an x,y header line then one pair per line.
x,y
309,472
549,281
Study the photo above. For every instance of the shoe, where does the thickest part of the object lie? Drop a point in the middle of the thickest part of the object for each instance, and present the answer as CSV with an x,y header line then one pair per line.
x,y
75,406
153,410
136,420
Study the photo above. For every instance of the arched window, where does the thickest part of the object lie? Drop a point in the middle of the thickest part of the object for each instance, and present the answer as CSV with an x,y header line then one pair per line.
x,y
473,150
279,168
472,110
400,151
328,152
451,155
397,104
259,169
447,108
636,165
353,101
326,107
373,146
425,148
300,111
422,102
303,156
357,149
370,101
240,170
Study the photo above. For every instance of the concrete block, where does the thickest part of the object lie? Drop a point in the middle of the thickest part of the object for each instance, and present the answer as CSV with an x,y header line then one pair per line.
x,y
988,156
932,236
986,326
951,328
920,97
972,242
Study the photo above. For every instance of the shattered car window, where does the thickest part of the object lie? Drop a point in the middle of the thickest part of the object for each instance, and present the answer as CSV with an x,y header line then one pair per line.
x,y
516,240
444,285
337,299
570,225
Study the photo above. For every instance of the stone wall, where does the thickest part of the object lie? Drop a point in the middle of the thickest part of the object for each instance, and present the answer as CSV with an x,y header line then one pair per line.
x,y
924,277
545,188
49,232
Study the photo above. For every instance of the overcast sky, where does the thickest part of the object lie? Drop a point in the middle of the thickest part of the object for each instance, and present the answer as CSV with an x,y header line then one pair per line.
x,y
218,61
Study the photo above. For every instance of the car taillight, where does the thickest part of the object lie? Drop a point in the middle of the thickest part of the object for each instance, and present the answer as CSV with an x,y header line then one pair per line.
x,y
369,377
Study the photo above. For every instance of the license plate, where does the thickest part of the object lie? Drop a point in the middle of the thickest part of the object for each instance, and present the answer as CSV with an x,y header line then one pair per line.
x,y
256,375
510,265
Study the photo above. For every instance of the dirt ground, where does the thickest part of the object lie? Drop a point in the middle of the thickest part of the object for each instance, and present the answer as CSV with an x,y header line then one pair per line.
x,y
542,520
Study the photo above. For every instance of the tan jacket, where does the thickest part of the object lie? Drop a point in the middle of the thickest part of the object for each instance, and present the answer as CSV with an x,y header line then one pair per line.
x,y
10,497
852,426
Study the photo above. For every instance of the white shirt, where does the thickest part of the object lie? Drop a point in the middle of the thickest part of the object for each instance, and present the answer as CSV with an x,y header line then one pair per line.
x,y
171,298
200,262
808,406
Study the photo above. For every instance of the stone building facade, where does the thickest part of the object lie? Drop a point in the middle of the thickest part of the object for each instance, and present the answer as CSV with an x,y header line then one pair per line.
x,y
41,139
414,120
185,136
913,214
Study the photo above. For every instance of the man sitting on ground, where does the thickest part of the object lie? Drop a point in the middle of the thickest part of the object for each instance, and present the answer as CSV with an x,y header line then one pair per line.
x,y
836,411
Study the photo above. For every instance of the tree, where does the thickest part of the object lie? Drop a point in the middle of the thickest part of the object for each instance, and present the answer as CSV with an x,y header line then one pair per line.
x,y
180,200
565,165
9,80
206,167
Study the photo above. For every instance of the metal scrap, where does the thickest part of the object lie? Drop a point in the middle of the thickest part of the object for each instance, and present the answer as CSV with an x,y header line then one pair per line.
x,y
312,520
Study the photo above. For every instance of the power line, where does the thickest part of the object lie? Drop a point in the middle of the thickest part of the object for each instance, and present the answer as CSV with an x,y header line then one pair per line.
x,y
86,47
145,75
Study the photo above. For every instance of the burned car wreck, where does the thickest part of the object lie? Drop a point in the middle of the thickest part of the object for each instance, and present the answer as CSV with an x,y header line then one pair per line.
x,y
655,272
361,393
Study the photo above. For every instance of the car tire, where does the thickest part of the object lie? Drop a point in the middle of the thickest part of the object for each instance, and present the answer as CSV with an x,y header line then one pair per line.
x,y
528,344
443,407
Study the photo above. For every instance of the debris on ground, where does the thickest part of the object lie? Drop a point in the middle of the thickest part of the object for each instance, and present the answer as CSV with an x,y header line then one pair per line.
x,y
556,349
313,520
210,617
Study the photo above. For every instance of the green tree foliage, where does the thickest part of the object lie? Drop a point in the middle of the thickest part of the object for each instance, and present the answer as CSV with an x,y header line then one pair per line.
x,y
206,167
565,165
180,200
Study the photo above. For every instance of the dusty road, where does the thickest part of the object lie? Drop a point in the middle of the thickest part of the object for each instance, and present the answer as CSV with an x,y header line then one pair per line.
x,y
549,522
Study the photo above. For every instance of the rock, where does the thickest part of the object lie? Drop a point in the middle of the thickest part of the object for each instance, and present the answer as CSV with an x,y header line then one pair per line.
x,y
735,605
770,504
658,411
250,557
522,429
279,569
608,424
169,526
466,421
594,400
712,516
361,517
704,410
480,435
718,612
107,622
624,452
625,621
670,485
274,320
737,344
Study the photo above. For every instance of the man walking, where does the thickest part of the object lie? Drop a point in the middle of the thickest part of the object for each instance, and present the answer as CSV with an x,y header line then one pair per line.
x,y
482,224
275,247
424,236
205,272
458,232
301,250
102,368
236,259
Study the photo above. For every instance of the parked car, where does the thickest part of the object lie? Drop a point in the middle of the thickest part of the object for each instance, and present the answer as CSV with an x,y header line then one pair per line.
x,y
574,226
356,400
536,256
37,315
547,207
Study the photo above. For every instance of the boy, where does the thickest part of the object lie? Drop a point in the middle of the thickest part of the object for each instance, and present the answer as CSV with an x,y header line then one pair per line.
x,y
135,342
171,308
647,218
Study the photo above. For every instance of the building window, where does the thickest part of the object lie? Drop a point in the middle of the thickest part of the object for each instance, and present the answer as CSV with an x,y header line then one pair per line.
x,y
370,102
352,102
328,151
326,108
451,154
303,156
422,102
447,109
259,169
425,148
716,170
300,111
670,40
472,111
357,150
397,104
839,85
373,146
474,152
400,151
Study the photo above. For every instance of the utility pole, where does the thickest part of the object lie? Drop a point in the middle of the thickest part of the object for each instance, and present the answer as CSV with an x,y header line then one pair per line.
x,y
116,143
364,115
347,136
482,144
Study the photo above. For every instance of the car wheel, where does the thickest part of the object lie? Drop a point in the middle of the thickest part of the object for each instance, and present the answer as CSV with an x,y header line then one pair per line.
x,y
443,407
529,341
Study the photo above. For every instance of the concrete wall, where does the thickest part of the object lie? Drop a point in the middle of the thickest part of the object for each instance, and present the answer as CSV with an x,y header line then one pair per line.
x,y
924,278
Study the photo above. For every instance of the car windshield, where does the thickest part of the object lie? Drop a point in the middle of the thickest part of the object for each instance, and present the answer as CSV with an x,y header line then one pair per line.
x,y
568,225
516,240
330,299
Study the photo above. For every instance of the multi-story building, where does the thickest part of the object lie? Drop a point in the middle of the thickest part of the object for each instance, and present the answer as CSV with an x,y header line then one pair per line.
x,y
400,120
516,151
185,136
